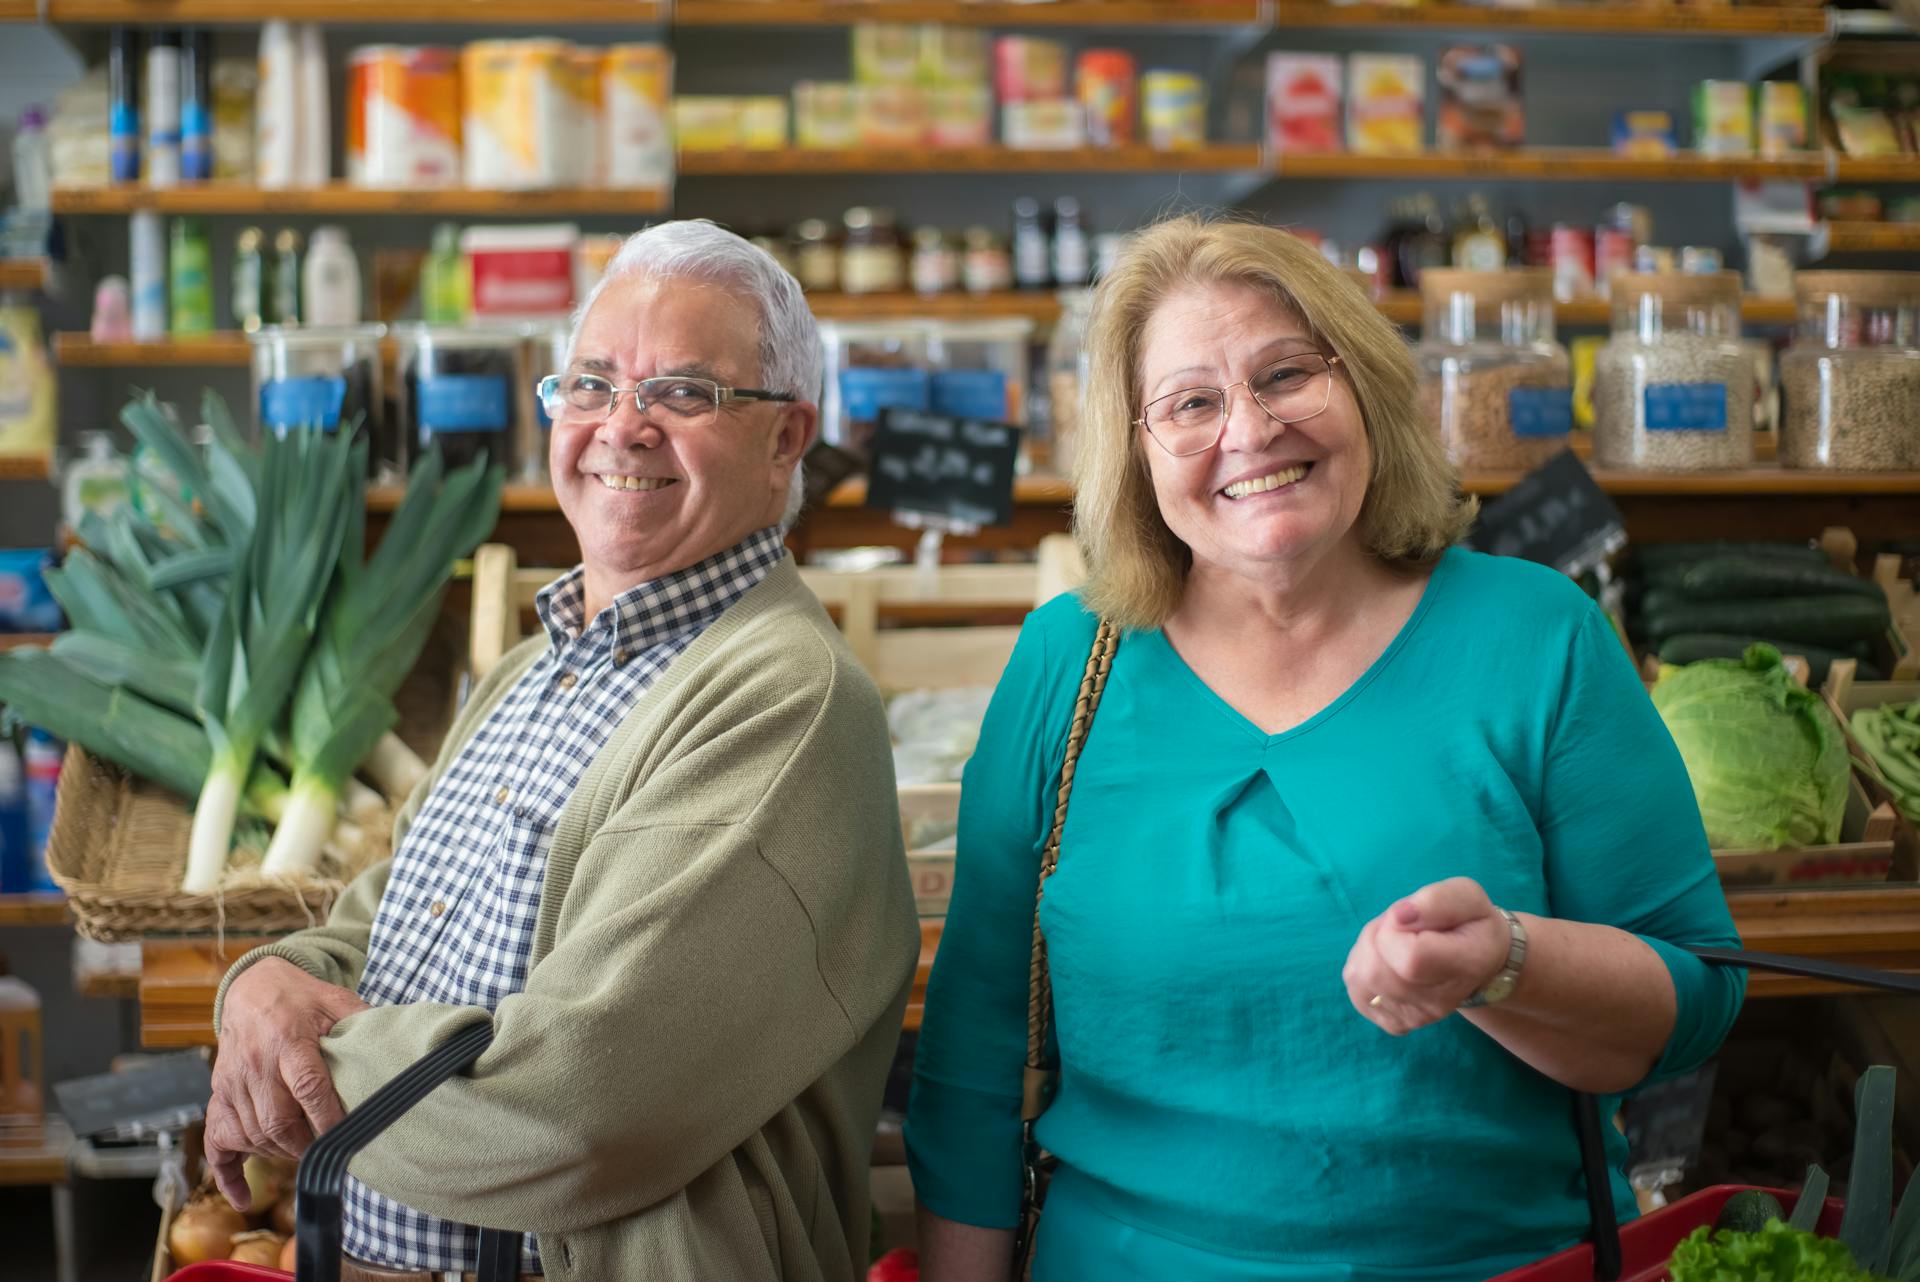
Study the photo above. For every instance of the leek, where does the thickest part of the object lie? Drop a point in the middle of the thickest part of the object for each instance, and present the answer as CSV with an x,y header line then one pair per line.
x,y
376,620
254,657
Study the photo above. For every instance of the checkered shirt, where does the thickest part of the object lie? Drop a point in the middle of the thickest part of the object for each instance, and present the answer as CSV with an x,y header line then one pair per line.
x,y
457,920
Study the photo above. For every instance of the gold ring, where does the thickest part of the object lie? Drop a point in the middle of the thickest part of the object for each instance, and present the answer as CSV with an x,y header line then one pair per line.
x,y
1376,1000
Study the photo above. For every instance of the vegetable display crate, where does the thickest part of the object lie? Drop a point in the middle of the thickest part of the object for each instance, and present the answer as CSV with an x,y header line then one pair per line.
x,y
118,848
1864,853
1646,1244
1846,696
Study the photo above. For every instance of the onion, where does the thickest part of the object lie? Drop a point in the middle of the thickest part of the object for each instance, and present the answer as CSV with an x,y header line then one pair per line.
x,y
287,1253
282,1217
266,1180
260,1247
203,1230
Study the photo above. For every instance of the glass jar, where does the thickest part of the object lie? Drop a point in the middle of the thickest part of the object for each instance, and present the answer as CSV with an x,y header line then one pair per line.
x,y
1852,376
816,258
545,346
322,378
1493,381
1066,383
871,263
1673,388
457,391
936,267
986,267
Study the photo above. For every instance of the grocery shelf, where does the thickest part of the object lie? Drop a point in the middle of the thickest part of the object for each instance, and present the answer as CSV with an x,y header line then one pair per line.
x,y
1402,307
1609,19
1569,164
23,273
1873,238
371,12
25,640
513,498
1041,306
19,11
1213,158
33,910
1876,169
1063,13
1761,480
339,199
75,350
25,467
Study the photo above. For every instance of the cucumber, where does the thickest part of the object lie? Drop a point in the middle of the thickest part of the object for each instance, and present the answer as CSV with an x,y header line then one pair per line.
x,y
1691,647
1724,578
1834,621
1655,555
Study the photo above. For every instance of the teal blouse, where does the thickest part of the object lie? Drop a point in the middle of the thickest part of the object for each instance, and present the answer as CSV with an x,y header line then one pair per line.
x,y
1223,1113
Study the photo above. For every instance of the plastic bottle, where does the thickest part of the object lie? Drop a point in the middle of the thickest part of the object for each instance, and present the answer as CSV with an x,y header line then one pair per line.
x,y
112,320
1032,268
330,282
190,278
1072,254
443,279
277,107
149,273
163,110
196,108
32,173
41,758
95,482
247,296
16,858
283,280
314,146
123,106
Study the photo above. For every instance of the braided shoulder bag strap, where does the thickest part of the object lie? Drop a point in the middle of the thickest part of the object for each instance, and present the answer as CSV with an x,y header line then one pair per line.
x,y
1037,1082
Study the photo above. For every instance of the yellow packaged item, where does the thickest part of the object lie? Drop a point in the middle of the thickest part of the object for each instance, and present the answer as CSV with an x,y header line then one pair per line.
x,y
825,114
1386,104
1782,111
26,384
1583,350
890,115
885,53
954,56
706,122
763,123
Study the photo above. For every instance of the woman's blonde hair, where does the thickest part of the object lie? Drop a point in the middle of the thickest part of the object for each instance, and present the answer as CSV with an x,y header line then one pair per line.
x,y
1136,566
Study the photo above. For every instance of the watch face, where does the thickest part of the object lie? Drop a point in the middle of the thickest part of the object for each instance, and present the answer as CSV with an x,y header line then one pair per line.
x,y
1499,989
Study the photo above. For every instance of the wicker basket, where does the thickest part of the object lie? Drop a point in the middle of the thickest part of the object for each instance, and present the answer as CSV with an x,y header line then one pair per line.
x,y
118,847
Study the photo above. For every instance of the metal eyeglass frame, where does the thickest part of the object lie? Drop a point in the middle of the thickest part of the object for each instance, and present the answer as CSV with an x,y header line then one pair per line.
x,y
1226,403
548,390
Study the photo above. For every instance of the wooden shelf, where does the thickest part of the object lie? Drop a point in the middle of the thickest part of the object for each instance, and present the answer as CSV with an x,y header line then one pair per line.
x,y
224,198
1402,307
75,350
1213,158
369,12
25,467
1873,238
1621,20
1041,306
1749,481
19,11
1876,169
178,980
1875,926
1063,13
25,640
1565,164
33,910
23,273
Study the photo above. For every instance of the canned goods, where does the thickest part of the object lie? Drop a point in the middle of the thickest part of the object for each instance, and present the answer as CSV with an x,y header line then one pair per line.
x,y
1174,109
516,113
1612,255
1107,84
583,157
1700,260
1029,70
639,103
1571,253
403,117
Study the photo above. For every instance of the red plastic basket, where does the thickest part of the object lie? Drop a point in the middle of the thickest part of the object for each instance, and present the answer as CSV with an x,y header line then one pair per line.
x,y
1646,1244
228,1271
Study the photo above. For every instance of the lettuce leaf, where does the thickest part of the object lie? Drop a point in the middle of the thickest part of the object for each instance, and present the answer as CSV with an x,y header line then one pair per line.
x,y
1775,1253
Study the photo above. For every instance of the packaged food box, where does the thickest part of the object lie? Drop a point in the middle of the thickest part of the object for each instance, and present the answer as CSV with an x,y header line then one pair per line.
x,y
1047,124
955,56
1026,69
959,116
1108,85
1866,131
826,114
1645,134
25,603
521,272
638,124
890,115
1781,106
763,123
1173,109
515,113
1723,118
885,53
706,122
1386,103
1303,102
1480,97
403,117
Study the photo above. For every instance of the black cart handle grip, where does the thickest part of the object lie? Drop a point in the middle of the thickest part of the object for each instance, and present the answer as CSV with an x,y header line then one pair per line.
x,y
320,1183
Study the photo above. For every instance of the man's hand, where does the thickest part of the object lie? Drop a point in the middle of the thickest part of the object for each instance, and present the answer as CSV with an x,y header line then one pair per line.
x,y
271,1090
1415,963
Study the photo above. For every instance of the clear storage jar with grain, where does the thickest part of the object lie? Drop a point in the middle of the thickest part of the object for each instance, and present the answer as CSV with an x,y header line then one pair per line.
x,y
1852,377
1673,388
1493,381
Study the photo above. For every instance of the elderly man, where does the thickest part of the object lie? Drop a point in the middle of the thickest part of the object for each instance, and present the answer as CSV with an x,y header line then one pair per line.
x,y
659,851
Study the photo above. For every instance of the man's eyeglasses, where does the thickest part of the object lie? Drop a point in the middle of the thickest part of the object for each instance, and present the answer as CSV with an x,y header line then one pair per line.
x,y
671,401
1192,421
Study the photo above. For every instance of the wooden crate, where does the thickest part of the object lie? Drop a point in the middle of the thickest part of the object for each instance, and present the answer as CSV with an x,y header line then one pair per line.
x,y
1844,697
1864,853
929,814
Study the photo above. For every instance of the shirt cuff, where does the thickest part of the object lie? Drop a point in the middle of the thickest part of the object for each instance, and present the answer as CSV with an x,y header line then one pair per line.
x,y
963,1151
248,960
1705,1000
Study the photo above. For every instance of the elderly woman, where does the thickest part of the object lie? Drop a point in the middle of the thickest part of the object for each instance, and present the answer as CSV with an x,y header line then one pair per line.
x,y
1376,846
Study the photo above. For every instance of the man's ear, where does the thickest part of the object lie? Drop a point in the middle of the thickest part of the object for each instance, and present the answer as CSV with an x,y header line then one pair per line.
x,y
794,434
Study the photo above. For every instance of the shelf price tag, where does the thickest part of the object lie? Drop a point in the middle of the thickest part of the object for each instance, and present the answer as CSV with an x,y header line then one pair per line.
x,y
955,470
1557,515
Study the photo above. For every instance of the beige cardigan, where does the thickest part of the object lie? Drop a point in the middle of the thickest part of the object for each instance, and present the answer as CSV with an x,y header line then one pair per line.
x,y
688,1087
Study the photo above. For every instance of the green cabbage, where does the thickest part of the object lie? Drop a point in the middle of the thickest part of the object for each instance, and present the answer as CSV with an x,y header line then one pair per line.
x,y
1767,760
1775,1253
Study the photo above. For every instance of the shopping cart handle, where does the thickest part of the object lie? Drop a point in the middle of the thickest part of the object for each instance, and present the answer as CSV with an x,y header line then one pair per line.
x,y
321,1179
1808,968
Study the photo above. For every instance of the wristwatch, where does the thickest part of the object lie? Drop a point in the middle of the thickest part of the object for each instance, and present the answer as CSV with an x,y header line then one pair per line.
x,y
1501,986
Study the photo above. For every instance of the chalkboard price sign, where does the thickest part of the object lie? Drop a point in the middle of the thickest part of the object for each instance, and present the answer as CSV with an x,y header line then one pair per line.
x,y
953,469
1556,515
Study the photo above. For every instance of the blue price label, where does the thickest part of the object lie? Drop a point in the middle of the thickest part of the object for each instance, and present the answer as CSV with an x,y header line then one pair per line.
x,y
1540,411
1686,407
289,404
865,391
463,403
971,393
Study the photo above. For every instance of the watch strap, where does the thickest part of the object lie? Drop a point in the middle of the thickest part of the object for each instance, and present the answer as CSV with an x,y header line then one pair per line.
x,y
1501,986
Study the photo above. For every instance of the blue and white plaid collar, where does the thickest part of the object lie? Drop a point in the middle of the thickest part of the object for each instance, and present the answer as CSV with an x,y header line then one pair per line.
x,y
669,606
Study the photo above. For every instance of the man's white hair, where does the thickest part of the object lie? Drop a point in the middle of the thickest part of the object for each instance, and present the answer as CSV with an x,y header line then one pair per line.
x,y
699,249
